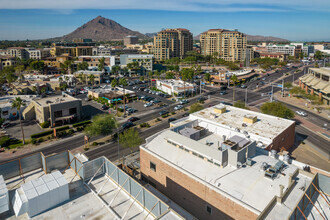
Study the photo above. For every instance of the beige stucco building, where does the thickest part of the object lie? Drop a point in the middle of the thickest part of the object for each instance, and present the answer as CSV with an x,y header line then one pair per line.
x,y
171,43
57,110
229,45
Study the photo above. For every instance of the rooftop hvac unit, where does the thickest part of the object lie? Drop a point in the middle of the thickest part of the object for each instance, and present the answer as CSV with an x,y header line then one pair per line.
x,y
286,158
273,153
264,166
249,162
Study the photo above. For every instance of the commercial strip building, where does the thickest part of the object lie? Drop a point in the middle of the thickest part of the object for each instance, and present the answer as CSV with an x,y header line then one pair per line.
x,y
68,186
280,56
171,43
112,94
58,110
175,87
229,45
216,170
144,60
6,109
71,51
292,49
317,82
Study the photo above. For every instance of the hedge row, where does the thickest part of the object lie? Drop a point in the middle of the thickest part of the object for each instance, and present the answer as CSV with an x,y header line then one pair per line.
x,y
81,123
44,133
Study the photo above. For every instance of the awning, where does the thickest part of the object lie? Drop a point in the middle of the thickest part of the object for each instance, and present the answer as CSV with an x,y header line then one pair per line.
x,y
326,90
308,79
313,82
322,85
64,118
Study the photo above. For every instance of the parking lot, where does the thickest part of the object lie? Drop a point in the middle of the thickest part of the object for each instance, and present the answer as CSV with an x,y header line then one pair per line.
x,y
30,127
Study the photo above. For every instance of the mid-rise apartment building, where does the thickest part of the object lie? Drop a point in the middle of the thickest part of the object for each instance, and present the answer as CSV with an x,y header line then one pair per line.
x,y
229,45
6,61
171,43
18,52
71,51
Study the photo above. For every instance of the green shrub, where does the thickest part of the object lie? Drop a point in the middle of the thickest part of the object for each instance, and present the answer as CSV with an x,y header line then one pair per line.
x,y
42,134
173,113
120,110
144,125
94,143
45,124
40,140
70,131
81,123
33,140
4,141
86,148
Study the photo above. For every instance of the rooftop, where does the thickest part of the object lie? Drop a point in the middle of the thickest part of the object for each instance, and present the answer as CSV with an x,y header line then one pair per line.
x,y
97,190
49,100
6,101
254,193
322,70
266,126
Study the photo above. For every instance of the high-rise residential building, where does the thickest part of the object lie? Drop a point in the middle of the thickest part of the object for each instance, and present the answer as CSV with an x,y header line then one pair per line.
x,y
171,43
229,45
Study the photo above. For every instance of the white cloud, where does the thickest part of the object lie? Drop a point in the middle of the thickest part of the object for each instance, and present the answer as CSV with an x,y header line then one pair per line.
x,y
172,5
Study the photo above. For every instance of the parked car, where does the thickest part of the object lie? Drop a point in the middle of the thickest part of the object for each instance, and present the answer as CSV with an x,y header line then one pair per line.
x,y
226,103
184,101
301,113
131,110
156,101
185,114
201,98
243,86
148,104
5,124
104,107
133,119
127,125
178,107
223,93
171,119
164,112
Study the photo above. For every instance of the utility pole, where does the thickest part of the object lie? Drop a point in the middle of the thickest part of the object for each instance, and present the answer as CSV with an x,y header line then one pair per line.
x,y
282,87
271,97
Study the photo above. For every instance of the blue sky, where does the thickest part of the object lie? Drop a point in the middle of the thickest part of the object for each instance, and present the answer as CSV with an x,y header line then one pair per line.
x,y
296,20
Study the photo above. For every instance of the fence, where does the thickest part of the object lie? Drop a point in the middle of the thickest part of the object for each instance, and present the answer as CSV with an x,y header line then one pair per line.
x,y
145,198
21,166
319,183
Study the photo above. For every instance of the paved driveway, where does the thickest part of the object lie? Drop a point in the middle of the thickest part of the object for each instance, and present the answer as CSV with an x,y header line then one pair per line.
x,y
29,128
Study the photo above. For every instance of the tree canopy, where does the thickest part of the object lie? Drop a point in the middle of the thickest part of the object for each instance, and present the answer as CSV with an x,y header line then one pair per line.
x,y
277,109
195,108
130,139
103,124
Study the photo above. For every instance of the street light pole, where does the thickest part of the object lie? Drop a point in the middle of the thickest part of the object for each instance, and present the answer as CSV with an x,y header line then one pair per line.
x,y
271,97
246,96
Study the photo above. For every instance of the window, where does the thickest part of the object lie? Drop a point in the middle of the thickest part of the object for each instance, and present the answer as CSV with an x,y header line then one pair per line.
x,y
5,113
72,111
152,166
209,209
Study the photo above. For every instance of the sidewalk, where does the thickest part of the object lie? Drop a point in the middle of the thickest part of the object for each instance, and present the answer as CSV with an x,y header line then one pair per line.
x,y
303,104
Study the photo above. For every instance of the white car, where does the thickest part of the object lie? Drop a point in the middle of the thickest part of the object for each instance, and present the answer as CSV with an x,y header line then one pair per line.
x,y
301,113
178,107
148,104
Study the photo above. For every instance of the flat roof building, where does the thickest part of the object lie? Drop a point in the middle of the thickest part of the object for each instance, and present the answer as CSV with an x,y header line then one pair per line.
x,y
6,109
62,186
175,87
57,110
215,170
144,60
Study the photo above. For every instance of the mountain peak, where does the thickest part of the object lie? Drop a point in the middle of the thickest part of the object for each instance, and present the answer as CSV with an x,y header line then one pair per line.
x,y
102,29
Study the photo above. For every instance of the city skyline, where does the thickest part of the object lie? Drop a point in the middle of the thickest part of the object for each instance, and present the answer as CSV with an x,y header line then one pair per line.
x,y
36,20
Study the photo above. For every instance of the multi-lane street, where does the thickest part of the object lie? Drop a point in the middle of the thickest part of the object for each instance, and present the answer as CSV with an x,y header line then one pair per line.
x,y
254,98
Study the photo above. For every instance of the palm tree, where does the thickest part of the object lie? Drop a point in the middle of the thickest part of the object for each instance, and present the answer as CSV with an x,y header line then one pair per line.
x,y
114,84
123,82
91,78
234,80
18,103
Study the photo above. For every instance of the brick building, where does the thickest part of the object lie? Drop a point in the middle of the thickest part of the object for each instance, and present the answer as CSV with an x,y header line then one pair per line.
x,y
213,167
